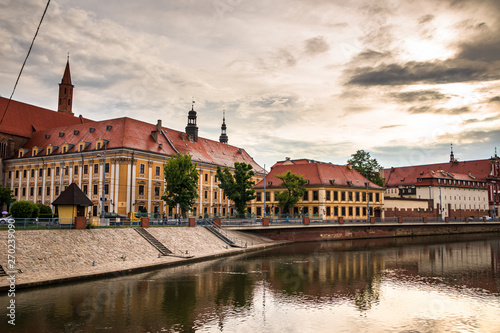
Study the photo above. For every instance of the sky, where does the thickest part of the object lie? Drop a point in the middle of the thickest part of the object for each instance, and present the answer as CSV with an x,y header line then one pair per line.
x,y
317,79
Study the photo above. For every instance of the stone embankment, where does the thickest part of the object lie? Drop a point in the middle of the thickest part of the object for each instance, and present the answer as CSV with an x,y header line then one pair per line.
x,y
52,256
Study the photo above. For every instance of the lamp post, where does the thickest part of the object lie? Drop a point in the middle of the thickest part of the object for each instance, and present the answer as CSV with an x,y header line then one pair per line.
x,y
440,204
103,179
265,208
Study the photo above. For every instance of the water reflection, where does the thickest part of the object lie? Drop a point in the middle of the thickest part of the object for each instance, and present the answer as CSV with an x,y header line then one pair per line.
x,y
424,284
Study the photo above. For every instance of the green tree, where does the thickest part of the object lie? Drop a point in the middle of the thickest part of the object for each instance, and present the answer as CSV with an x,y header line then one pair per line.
x,y
24,209
294,185
6,197
237,187
181,179
44,211
367,166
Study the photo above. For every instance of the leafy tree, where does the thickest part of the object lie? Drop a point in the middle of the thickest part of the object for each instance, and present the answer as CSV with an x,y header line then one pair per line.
x,y
181,179
44,211
6,197
367,166
294,185
24,209
238,188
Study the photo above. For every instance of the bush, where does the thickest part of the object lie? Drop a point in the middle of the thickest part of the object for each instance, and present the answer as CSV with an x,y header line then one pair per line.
x,y
23,209
44,209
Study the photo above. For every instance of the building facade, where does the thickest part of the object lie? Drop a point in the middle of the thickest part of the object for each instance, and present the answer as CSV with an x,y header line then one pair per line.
x,y
122,158
332,191
454,189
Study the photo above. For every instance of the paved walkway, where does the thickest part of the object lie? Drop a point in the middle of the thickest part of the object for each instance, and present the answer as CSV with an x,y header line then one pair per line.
x,y
48,255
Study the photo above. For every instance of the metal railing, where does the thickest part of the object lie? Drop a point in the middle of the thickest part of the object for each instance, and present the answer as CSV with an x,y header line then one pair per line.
x,y
36,223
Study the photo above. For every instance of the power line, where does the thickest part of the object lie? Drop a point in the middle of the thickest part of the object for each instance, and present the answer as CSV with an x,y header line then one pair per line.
x,y
22,67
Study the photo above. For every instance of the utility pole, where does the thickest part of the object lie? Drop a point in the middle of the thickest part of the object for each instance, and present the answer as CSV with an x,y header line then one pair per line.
x,y
264,215
367,201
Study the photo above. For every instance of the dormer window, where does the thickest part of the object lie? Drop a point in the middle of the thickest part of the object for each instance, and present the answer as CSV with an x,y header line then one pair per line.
x,y
61,134
49,150
98,146
91,130
108,127
64,149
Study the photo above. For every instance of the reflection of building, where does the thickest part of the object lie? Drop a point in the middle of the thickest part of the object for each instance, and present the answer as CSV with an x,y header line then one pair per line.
x,y
332,190
48,150
461,188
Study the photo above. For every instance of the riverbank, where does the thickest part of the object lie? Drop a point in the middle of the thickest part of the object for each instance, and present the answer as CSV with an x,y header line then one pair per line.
x,y
45,257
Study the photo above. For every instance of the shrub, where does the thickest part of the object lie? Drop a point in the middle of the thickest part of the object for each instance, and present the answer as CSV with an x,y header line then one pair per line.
x,y
23,209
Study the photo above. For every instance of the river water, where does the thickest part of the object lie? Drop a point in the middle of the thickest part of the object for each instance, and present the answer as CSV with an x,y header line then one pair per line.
x,y
422,284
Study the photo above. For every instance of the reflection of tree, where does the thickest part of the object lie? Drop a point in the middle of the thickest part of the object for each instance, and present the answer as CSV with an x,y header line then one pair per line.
x,y
366,297
236,288
179,303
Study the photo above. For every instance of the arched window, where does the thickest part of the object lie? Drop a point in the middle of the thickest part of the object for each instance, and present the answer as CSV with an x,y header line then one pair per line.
x,y
3,149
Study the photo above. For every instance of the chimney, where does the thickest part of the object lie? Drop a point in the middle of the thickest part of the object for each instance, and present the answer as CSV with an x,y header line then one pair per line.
x,y
158,126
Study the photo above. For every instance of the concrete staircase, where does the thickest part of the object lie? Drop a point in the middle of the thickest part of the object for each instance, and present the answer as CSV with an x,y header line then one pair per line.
x,y
219,232
153,241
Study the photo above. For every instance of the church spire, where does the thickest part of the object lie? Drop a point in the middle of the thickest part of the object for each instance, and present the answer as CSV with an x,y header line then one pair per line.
x,y
65,103
452,156
191,128
223,136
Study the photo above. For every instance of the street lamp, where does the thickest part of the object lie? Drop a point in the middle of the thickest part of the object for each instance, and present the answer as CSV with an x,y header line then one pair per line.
x,y
103,178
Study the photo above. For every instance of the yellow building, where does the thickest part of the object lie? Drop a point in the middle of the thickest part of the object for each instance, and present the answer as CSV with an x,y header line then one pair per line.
x,y
331,191
121,157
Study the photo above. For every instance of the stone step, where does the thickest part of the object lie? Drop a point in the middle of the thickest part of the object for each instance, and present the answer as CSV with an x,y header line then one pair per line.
x,y
153,241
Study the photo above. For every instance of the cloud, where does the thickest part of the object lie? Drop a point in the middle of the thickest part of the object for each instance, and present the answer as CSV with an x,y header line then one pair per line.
x,y
426,19
495,99
391,126
485,120
413,72
434,110
419,96
316,45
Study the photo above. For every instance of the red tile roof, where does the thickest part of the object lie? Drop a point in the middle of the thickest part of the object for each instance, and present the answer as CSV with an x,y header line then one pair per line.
x,y
22,119
481,169
318,173
134,134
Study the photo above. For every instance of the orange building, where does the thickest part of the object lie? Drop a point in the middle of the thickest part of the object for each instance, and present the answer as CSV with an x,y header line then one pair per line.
x,y
331,191
46,150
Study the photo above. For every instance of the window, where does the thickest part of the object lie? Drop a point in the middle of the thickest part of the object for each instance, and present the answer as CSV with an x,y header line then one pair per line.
x,y
259,196
315,210
364,196
10,174
206,177
17,174
32,191
215,195
342,196
106,188
85,189
328,197
25,172
141,189
206,194
58,171
343,211
96,168
328,211
157,172
336,211
48,172
315,195
371,196
357,211
48,190
350,211
106,167
268,196
75,170
39,191
335,196
306,195
64,149
32,173
95,191
350,195
86,169
157,191
377,197
141,168
357,196
66,171
98,145
16,191
259,211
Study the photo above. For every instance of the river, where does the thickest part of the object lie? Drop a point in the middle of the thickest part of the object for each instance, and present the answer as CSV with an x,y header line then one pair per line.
x,y
421,284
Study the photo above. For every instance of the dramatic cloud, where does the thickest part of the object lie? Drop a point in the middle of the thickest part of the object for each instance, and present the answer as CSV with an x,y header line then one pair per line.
x,y
316,45
435,72
419,96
